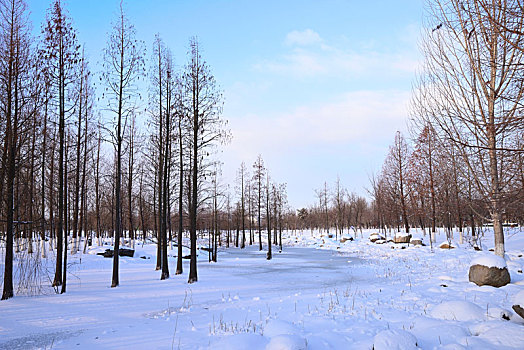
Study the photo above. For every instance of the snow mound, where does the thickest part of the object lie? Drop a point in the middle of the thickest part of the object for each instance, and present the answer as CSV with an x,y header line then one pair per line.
x,y
416,236
394,339
504,335
96,250
452,347
142,254
458,311
287,342
401,234
430,332
498,313
489,260
278,327
240,341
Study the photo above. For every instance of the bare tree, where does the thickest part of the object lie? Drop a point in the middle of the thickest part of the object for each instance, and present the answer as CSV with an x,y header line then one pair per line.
x,y
259,171
15,58
471,91
340,206
422,169
322,195
207,130
61,54
123,66
395,173
268,218
241,188
162,98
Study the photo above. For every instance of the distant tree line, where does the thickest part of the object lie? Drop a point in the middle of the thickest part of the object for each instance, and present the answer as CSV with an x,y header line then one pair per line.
x,y
338,211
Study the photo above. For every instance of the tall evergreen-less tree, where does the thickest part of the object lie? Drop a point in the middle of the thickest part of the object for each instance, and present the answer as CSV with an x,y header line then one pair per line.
x,y
241,179
259,171
395,173
268,218
61,52
163,96
15,58
181,122
123,66
207,129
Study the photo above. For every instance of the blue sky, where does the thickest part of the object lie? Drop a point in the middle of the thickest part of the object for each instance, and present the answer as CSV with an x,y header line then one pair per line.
x,y
317,87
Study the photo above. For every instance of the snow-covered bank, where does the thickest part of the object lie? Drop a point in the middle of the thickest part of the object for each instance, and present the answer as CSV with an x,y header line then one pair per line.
x,y
319,294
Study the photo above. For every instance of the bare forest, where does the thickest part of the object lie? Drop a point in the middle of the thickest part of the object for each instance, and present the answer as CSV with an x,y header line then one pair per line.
x,y
132,153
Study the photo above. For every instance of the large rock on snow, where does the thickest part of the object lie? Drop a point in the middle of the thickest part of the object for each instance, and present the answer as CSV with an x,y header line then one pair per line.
x,y
395,339
121,252
489,270
375,237
416,241
402,237
518,304
447,245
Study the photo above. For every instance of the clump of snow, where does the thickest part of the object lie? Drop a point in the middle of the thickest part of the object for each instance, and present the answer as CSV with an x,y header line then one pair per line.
x,y
430,332
458,311
142,254
287,342
96,250
241,341
394,339
498,335
489,260
278,327
401,234
498,313
452,347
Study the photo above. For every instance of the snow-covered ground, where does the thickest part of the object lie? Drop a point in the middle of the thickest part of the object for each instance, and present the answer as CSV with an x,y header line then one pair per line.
x,y
318,293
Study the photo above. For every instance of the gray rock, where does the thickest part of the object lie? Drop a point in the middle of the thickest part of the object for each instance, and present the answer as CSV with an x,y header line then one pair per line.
x,y
488,276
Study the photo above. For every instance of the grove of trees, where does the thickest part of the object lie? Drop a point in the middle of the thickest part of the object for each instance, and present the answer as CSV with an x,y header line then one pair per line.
x,y
128,153
132,153
464,167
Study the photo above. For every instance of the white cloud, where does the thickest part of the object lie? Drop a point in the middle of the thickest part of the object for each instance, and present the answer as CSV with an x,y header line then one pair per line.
x,y
352,118
351,99
303,38
348,136
339,59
